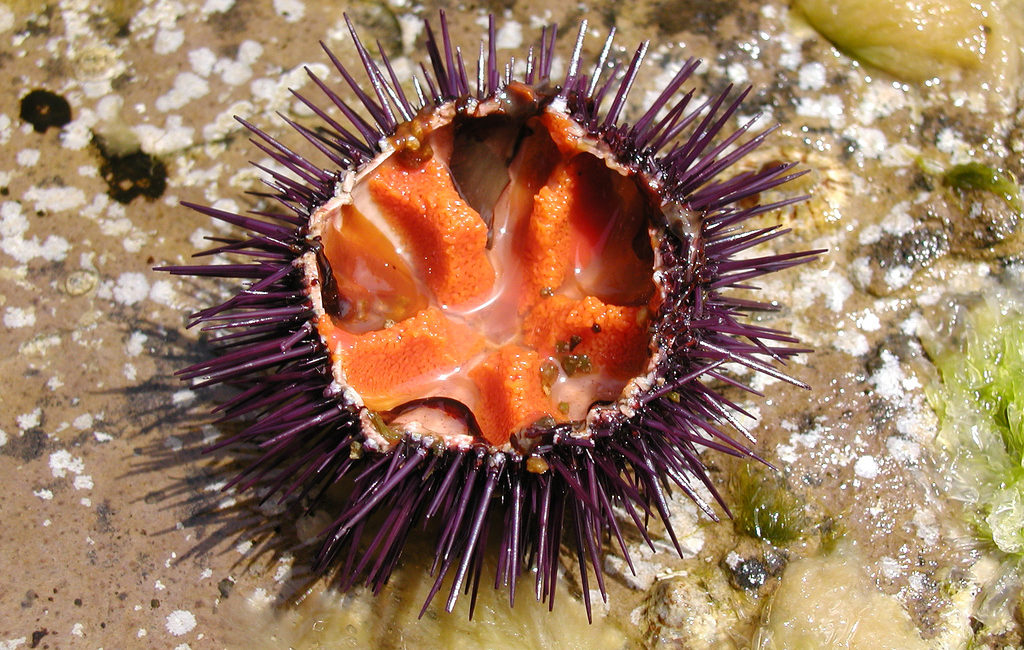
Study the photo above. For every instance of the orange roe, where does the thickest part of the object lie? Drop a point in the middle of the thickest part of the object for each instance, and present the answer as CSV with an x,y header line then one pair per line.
x,y
613,337
447,236
510,393
547,248
387,367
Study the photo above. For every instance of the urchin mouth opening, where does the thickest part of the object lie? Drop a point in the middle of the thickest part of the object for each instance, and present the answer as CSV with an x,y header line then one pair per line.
x,y
489,278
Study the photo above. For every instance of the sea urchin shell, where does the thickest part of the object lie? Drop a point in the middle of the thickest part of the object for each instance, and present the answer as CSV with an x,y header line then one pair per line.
x,y
498,309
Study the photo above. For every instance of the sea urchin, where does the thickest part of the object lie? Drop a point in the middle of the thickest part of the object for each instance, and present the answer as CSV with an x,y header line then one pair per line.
x,y
497,309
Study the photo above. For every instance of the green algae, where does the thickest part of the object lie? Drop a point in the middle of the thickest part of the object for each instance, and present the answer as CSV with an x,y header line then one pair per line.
x,y
763,508
977,176
980,404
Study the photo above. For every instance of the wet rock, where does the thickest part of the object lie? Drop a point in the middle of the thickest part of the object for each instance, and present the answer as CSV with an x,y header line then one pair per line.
x,y
749,574
893,260
749,568
699,17
985,227
775,561
377,24
691,613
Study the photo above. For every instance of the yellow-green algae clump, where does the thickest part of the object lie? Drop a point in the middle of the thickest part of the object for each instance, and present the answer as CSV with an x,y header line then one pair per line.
x,y
977,176
980,404
910,39
763,507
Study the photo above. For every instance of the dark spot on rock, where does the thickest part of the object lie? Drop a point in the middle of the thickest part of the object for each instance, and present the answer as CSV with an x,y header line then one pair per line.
x,y
30,597
43,109
985,226
228,50
154,603
698,17
922,181
78,602
608,13
775,561
811,479
26,447
39,25
37,636
233,20
225,586
103,514
132,175
898,345
749,574
121,81
380,23
202,516
882,413
916,249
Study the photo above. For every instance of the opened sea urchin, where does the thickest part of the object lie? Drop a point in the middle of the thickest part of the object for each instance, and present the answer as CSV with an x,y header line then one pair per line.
x,y
495,310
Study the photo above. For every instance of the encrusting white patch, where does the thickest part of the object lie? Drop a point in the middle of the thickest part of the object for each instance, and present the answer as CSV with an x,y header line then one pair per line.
x,y
31,419
217,6
62,462
866,467
131,287
202,60
6,19
187,86
55,199
291,10
174,136
83,421
27,157
133,347
15,317
168,40
180,621
509,36
854,344
812,76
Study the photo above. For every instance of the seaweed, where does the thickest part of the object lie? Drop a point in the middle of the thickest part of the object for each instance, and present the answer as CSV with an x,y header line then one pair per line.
x,y
978,176
764,508
980,404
